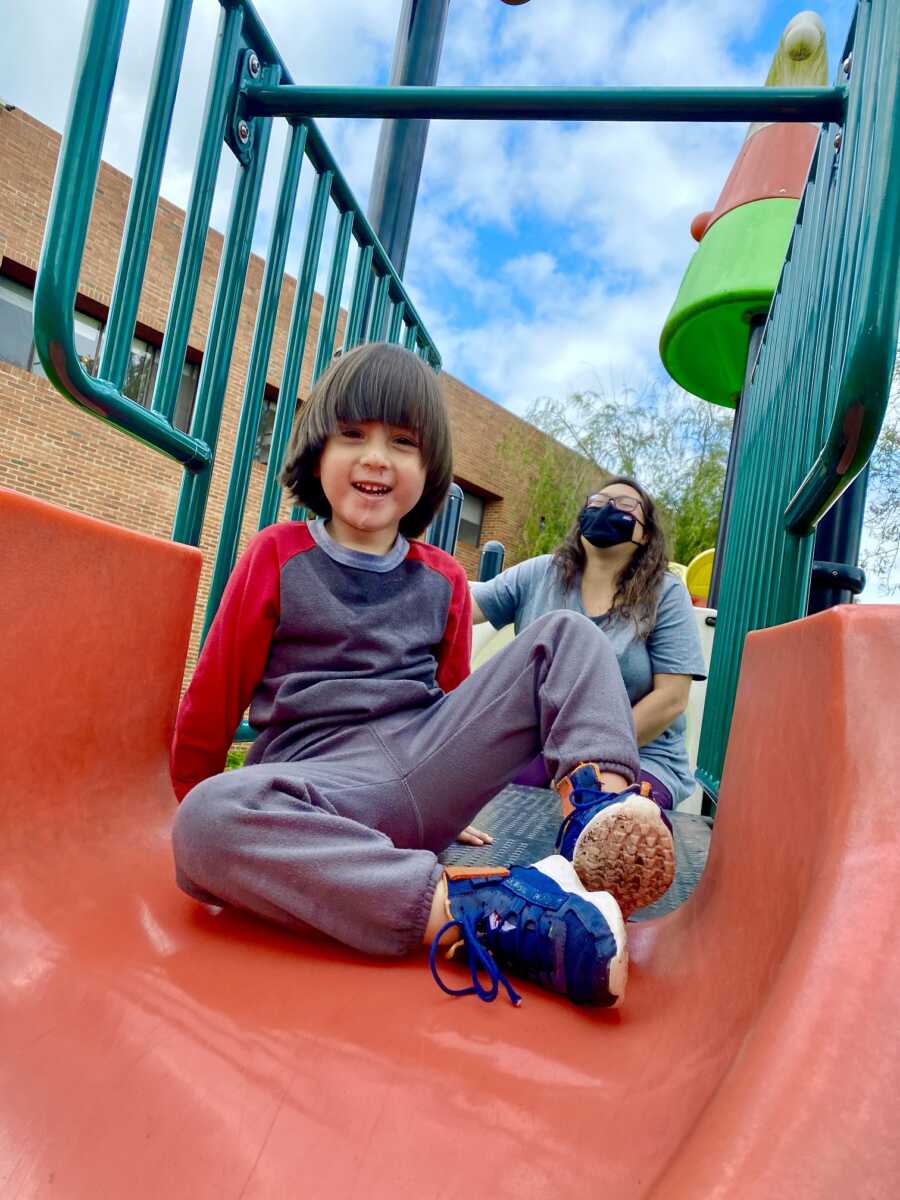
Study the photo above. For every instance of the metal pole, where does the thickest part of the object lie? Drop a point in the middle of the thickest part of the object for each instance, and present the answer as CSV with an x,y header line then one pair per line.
x,y
757,324
401,146
836,578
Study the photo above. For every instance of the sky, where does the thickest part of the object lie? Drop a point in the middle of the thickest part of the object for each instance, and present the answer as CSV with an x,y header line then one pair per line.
x,y
544,258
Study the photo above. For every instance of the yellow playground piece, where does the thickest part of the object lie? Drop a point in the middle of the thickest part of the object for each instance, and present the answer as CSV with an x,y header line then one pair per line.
x,y
699,575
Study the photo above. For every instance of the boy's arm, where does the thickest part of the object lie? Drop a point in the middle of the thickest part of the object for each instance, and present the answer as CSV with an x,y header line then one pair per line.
x,y
455,649
230,666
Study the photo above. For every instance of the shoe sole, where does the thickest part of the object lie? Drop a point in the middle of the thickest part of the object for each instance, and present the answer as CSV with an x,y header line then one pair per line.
x,y
628,851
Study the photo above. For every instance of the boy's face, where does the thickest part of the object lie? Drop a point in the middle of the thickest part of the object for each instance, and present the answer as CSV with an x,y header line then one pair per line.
x,y
372,475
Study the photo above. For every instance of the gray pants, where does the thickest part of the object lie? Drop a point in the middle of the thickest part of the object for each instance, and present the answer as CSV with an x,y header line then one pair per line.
x,y
345,837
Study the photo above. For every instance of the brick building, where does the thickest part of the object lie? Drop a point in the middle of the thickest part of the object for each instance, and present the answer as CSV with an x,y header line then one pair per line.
x,y
53,450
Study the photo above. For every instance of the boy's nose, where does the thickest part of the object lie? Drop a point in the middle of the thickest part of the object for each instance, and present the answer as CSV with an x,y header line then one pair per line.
x,y
374,454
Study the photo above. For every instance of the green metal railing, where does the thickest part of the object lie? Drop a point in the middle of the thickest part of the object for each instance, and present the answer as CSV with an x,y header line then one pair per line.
x,y
243,55
818,395
812,410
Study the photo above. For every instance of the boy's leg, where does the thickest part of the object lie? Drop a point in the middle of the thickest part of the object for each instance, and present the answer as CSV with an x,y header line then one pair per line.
x,y
267,839
555,689
297,843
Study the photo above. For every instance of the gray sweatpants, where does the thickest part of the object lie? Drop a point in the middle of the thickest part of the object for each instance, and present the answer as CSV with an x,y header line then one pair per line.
x,y
345,837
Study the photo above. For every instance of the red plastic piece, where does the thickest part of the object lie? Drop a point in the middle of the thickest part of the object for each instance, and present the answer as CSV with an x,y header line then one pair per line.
x,y
151,1047
772,164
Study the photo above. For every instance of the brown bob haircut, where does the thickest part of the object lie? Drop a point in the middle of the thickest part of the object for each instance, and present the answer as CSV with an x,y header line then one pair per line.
x,y
376,382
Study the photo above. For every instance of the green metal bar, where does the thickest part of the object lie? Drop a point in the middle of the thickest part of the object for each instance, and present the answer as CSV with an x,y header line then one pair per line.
x,y
332,305
409,340
322,159
397,313
353,333
64,240
144,196
379,308
196,221
194,491
236,497
552,104
293,355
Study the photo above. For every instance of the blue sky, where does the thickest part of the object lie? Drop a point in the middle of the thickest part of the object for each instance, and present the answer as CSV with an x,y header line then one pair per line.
x,y
543,258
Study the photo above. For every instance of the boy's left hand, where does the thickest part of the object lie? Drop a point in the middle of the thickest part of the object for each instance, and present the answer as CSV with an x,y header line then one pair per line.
x,y
471,836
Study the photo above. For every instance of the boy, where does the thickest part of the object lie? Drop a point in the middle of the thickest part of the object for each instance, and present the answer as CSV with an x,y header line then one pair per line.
x,y
351,645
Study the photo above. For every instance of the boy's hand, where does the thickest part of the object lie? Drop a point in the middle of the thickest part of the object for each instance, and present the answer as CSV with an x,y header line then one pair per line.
x,y
471,836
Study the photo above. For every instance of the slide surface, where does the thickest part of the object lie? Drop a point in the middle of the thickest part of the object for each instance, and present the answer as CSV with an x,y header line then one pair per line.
x,y
151,1047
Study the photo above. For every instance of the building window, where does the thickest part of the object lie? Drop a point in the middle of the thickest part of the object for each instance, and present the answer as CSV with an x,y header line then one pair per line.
x,y
17,347
140,379
471,519
15,323
264,432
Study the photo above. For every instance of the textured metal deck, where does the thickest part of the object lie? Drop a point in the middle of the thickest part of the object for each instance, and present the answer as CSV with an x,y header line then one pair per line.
x,y
524,821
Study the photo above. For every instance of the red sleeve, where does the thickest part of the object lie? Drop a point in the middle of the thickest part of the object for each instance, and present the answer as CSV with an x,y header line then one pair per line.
x,y
455,650
231,665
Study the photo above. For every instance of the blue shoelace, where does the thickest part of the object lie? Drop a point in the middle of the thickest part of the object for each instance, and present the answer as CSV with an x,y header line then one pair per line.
x,y
479,958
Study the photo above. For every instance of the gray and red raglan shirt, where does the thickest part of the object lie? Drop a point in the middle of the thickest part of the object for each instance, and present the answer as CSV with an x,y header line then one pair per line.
x,y
316,637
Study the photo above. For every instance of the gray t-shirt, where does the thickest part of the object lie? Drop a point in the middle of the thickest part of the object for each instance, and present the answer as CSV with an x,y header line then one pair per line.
x,y
530,589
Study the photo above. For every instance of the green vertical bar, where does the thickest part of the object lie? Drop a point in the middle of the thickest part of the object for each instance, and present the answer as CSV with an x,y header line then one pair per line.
x,y
409,341
220,340
356,315
332,305
379,308
293,356
331,309
196,221
144,193
396,321
236,498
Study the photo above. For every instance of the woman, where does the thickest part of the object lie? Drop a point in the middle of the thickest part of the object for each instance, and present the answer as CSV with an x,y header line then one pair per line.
x,y
612,567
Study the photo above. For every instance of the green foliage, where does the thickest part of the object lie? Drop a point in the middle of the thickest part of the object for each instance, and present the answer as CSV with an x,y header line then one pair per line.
x,y
235,758
558,482
672,443
881,548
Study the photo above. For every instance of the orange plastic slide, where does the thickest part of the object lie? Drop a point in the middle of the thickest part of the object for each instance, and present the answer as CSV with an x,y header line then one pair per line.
x,y
154,1048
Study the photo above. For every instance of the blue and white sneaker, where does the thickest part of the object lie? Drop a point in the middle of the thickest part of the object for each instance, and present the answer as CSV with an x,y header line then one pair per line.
x,y
619,843
540,923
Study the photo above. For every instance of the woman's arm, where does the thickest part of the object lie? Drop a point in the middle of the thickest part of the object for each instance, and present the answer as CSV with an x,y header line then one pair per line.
x,y
666,700
478,617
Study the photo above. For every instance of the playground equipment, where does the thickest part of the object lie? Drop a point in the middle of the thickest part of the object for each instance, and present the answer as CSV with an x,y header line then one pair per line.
x,y
698,574
154,1047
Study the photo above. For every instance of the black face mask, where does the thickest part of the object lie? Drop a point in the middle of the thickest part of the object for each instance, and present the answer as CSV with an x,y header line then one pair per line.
x,y
607,526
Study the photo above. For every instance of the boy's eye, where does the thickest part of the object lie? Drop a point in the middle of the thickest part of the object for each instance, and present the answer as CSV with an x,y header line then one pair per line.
x,y
350,432
406,439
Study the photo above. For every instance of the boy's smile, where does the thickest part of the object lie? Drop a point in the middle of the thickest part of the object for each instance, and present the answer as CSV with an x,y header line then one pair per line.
x,y
372,475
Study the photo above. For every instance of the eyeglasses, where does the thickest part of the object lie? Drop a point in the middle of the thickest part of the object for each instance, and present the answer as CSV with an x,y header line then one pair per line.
x,y
627,504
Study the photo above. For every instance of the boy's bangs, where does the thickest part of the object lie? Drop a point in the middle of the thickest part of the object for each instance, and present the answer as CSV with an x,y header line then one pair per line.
x,y
385,387
389,404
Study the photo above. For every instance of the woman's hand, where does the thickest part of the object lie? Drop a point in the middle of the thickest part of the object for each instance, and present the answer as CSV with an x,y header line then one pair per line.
x,y
471,836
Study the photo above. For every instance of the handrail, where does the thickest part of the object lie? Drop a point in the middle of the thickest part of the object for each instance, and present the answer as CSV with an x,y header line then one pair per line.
x,y
241,36
861,406
494,103
64,241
